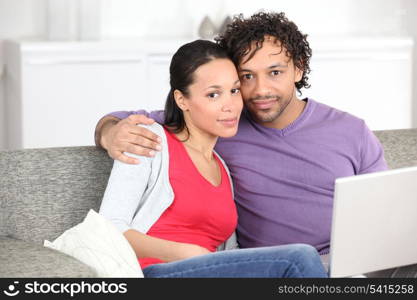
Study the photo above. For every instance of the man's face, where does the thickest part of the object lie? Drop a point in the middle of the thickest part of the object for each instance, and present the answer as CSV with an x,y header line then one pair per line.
x,y
268,81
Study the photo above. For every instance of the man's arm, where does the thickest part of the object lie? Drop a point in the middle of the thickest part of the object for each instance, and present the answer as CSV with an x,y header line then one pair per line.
x,y
118,132
101,126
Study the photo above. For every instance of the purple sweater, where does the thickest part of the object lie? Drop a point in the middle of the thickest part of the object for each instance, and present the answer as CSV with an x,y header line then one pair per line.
x,y
284,179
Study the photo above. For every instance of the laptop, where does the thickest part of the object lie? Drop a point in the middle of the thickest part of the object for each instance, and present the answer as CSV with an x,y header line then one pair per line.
x,y
374,224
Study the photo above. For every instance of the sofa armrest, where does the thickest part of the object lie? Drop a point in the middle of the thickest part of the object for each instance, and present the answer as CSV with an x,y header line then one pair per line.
x,y
26,259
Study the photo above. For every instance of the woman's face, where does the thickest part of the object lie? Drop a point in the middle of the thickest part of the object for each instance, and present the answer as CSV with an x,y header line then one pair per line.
x,y
214,102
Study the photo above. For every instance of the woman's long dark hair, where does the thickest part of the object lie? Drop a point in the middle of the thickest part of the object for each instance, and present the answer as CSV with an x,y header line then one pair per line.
x,y
183,65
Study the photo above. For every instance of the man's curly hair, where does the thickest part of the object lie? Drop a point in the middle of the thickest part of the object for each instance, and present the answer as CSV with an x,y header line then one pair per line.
x,y
240,34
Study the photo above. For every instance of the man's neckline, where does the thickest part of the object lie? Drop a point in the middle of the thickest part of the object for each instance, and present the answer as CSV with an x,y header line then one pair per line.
x,y
290,127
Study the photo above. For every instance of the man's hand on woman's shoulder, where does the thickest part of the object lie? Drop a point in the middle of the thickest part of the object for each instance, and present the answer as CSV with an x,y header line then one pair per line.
x,y
119,136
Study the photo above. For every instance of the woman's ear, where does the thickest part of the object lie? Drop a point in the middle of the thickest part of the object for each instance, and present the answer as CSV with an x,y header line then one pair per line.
x,y
180,100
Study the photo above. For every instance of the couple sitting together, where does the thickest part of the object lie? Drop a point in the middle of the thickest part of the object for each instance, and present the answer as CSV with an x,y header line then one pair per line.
x,y
233,105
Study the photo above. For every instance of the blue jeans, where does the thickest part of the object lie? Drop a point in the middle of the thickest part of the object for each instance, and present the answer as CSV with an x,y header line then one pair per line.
x,y
296,260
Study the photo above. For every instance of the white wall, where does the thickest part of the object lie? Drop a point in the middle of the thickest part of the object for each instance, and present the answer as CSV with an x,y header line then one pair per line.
x,y
411,25
155,17
22,18
181,18
2,108
18,19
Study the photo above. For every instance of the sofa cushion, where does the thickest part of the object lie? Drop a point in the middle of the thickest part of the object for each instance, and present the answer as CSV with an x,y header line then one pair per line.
x,y
400,147
46,191
27,259
100,245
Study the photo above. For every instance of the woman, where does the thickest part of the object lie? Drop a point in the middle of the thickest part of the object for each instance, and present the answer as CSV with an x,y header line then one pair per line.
x,y
177,208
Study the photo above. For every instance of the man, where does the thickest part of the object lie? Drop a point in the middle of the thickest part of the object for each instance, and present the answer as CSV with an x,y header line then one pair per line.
x,y
287,153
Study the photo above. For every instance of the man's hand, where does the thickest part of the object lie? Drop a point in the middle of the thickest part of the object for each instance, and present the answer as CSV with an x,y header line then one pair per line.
x,y
125,136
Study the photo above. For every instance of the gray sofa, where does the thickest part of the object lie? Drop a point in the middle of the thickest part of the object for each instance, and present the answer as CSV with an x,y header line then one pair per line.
x,y
44,192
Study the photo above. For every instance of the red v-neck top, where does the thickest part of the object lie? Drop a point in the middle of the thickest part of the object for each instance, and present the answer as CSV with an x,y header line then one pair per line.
x,y
201,213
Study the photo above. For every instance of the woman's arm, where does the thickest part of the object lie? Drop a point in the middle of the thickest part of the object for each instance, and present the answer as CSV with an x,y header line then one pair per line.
x,y
126,186
124,192
148,246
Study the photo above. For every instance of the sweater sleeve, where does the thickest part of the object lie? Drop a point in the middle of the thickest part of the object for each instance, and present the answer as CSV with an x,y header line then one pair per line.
x,y
125,189
157,115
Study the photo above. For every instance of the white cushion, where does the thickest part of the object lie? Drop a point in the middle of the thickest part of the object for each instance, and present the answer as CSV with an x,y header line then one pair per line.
x,y
97,243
